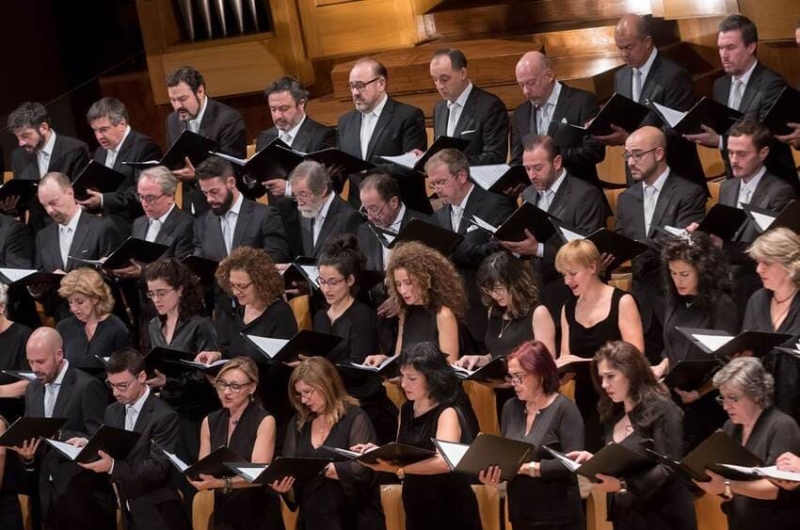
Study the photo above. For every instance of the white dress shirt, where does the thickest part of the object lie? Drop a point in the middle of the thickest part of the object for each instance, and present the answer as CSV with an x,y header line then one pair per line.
x,y
454,109
650,193
639,75
194,123
368,122
51,391
228,222
319,219
544,113
44,155
66,233
747,189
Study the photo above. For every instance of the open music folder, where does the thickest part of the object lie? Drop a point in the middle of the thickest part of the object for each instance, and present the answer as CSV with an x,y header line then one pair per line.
x,y
485,451
302,469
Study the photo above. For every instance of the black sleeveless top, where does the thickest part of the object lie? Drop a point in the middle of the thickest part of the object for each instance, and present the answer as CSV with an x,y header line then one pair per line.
x,y
419,325
503,336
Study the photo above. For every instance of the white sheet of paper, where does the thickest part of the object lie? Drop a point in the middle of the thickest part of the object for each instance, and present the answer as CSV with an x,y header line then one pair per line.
x,y
677,232
180,464
569,235
251,473
269,346
313,273
769,472
672,116
569,464
483,224
487,176
70,451
406,160
763,220
16,274
229,158
713,342
453,452
203,365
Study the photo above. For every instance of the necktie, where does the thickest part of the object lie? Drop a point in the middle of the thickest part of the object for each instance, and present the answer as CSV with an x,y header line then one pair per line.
x,y
152,230
130,417
111,157
63,243
194,125
50,399
744,196
637,84
366,133
227,229
44,163
543,119
456,213
545,200
286,138
737,90
453,112
649,206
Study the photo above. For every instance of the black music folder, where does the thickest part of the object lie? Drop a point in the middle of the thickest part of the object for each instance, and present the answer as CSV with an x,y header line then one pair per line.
x,y
275,160
499,177
705,112
203,268
302,469
691,374
24,189
22,375
396,453
434,236
388,368
132,249
785,109
608,242
164,360
302,269
117,443
25,429
485,451
494,370
96,177
29,277
723,221
614,460
189,145
765,219
573,366
528,216
333,157
213,464
619,111
719,448
417,163
306,343
188,365
722,345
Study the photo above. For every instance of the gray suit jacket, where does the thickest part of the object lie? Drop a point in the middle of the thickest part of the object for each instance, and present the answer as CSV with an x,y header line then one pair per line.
x,y
772,193
400,129
372,248
177,233
341,219
95,237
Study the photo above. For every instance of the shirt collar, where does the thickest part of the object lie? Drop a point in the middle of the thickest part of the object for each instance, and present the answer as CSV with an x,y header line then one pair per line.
x,y
395,226
139,403
47,148
60,377
554,95
236,206
199,118
378,108
659,183
464,201
645,69
745,77
293,131
557,184
753,184
461,100
124,137
323,212
163,218
73,223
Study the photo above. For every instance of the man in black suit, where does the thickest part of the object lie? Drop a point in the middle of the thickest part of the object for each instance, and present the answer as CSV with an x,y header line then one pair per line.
x,y
579,205
649,77
750,88
287,100
448,176
468,112
195,111
549,100
148,498
109,120
41,151
662,199
67,497
16,252
74,234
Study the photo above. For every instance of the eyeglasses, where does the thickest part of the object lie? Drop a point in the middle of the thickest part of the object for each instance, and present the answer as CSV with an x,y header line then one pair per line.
x,y
222,386
329,283
122,387
149,199
733,400
305,395
371,210
516,379
240,288
637,157
497,290
439,184
161,293
359,86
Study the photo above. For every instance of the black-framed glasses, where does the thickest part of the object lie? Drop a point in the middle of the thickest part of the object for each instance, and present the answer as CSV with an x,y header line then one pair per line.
x,y
360,86
149,199
122,387
240,288
159,293
330,282
516,379
370,211
222,386
637,157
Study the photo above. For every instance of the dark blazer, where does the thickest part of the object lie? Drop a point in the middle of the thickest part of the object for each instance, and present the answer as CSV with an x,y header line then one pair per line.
x,y
16,244
670,85
576,107
121,206
772,193
95,237
371,247
74,497
483,121
342,218
400,129
143,478
311,136
224,125
680,203
762,89
177,232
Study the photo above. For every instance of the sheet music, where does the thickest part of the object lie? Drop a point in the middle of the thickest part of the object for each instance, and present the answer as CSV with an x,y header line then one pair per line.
x,y
375,368
483,224
677,232
15,275
569,464
70,451
202,365
176,461
712,342
312,271
672,116
453,452
763,220
487,176
569,235
269,346
229,158
769,472
30,376
407,160
251,473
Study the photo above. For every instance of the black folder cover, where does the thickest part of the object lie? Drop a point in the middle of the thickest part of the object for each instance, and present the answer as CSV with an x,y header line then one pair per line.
x,y
117,443
96,177
396,453
203,268
789,217
34,278
691,374
723,221
434,236
22,375
213,464
487,450
295,274
785,109
24,189
719,448
705,112
530,217
192,145
492,371
157,357
759,342
614,460
620,111
305,342
25,429
334,157
574,366
302,469
275,160
610,242
134,249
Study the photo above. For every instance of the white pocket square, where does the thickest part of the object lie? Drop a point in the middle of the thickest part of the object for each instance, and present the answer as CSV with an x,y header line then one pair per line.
x,y
467,132
471,228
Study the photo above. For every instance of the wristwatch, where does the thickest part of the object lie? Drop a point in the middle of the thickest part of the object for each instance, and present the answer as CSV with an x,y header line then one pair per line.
x,y
401,474
623,486
727,494
532,469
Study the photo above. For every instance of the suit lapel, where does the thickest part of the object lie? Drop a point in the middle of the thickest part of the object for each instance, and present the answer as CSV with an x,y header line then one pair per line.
x,y
625,87
761,192
664,198
81,231
144,415
383,121
637,192
562,104
164,235
751,89
242,220
327,224
64,393
36,403
466,117
300,142
650,81
124,153
471,208
560,200
209,119
214,226
441,114
308,233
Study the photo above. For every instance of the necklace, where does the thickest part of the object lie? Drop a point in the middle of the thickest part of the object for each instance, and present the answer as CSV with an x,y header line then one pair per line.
x,y
779,302
504,328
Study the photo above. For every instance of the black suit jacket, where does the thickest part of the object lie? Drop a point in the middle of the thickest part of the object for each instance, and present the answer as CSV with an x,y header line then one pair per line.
x,y
400,129
372,248
483,121
762,89
772,194
576,107
341,219
311,136
121,206
177,232
680,203
16,244
95,237
224,125
670,85
144,477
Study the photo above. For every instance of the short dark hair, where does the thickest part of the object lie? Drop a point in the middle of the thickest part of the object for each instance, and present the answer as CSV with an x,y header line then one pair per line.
x,y
760,134
178,276
343,254
532,141
713,273
110,108
125,359
28,114
214,167
385,184
534,358
290,85
740,23
428,359
457,58
188,75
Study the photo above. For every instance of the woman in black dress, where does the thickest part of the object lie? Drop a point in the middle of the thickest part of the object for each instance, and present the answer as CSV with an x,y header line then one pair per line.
x,y
13,338
249,431
340,267
347,495
594,315
697,282
776,309
544,494
638,413
92,331
746,393
10,511
433,497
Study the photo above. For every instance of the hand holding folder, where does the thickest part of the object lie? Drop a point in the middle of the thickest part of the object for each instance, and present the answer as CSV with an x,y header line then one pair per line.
x,y
26,429
486,451
301,469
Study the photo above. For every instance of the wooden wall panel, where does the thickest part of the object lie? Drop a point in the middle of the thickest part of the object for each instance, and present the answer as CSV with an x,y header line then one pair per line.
x,y
674,9
776,19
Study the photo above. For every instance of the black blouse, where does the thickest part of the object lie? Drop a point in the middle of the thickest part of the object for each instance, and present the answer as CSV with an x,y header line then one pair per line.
x,y
722,314
111,335
357,326
12,351
503,336
276,322
192,335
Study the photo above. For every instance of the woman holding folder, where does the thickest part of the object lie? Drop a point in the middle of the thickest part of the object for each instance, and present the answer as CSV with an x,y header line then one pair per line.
x,y
697,282
347,496
433,497
544,494
746,391
249,431
10,511
13,339
639,414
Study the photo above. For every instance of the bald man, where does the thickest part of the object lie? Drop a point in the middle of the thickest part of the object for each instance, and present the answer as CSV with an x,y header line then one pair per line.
x,y
70,497
658,197
648,76
549,100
